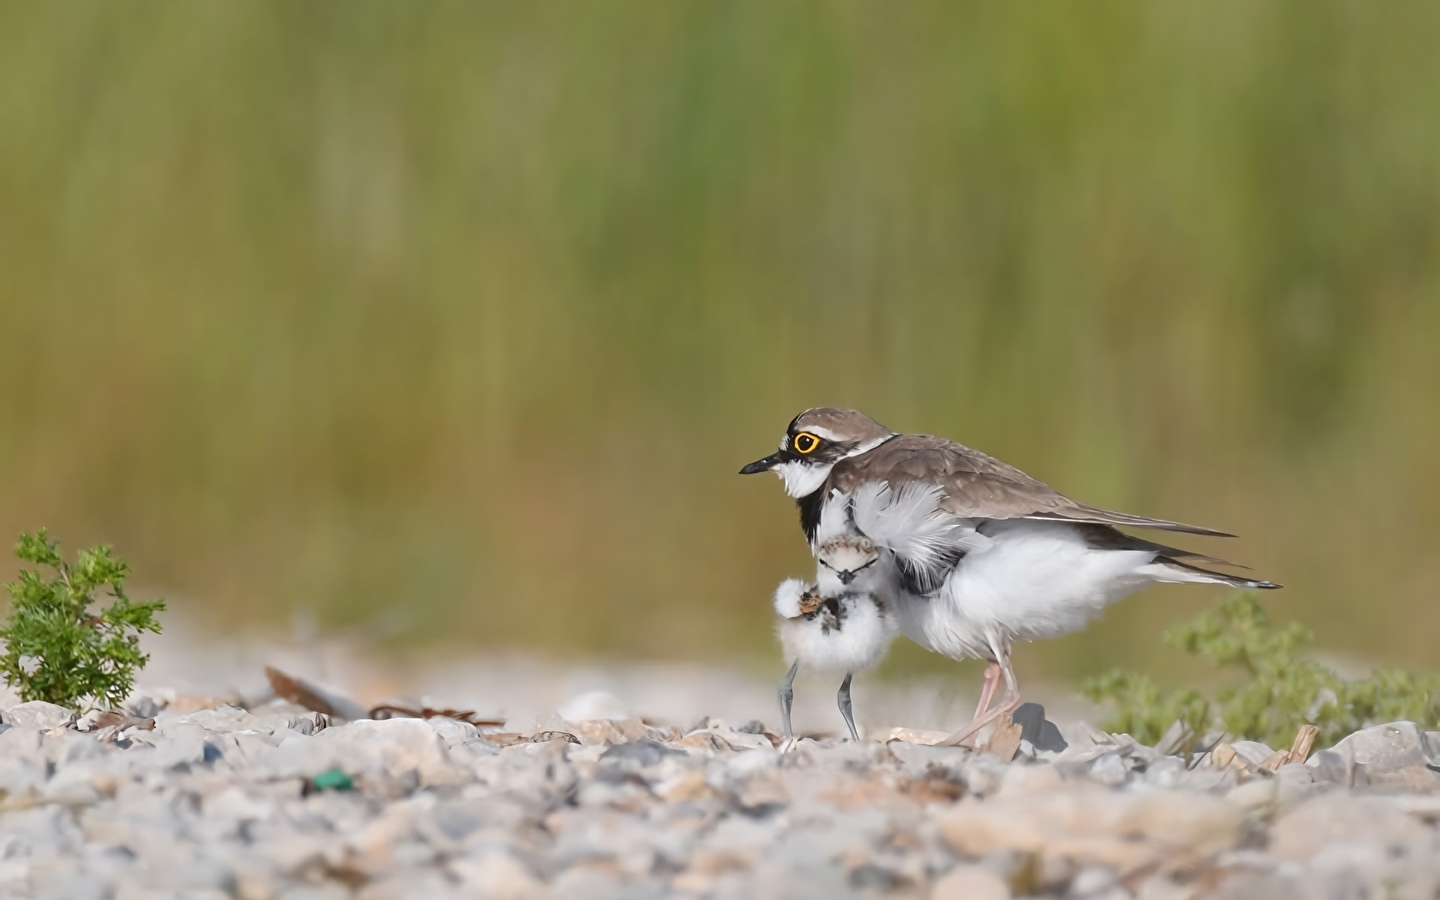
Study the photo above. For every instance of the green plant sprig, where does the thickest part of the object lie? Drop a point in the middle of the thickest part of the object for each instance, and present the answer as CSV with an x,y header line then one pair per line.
x,y
56,649
1282,689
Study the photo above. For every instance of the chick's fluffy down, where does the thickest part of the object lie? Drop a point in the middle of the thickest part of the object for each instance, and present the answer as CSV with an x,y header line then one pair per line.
x,y
855,639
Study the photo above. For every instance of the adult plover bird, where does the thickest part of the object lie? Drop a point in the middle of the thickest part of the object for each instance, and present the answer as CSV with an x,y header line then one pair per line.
x,y
1002,558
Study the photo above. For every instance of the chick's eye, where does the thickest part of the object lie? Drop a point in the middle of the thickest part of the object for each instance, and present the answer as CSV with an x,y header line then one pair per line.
x,y
806,442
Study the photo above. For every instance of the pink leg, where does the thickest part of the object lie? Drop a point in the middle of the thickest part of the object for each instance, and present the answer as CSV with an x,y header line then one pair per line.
x,y
1008,704
987,692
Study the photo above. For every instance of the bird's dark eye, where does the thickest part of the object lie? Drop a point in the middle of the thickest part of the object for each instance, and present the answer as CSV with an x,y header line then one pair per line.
x,y
805,442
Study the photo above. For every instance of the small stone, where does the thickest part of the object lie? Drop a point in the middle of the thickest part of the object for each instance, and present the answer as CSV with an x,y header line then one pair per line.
x,y
1329,767
1415,778
605,731
970,882
747,762
589,882
39,715
1177,819
1330,819
1249,884
1257,794
975,829
919,758
73,786
706,741
1253,752
639,754
405,753
1388,748
691,787
1295,783
453,731
1223,756
593,705
874,877
1020,781
1169,772
1110,769
763,791
1063,856
497,874
1018,869
1093,880
1164,887
984,774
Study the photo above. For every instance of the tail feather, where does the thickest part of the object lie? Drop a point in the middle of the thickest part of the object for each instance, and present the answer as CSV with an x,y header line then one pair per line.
x,y
1108,537
1096,516
1173,570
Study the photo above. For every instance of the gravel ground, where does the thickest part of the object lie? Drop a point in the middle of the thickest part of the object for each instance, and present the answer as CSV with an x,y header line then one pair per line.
x,y
203,800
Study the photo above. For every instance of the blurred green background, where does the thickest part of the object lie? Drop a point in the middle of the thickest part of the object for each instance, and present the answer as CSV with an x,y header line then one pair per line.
x,y
450,323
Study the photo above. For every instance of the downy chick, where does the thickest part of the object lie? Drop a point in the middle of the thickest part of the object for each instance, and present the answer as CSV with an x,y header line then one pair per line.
x,y
840,624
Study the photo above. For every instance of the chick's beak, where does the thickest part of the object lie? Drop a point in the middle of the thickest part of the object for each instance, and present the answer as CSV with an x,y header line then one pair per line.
x,y
762,465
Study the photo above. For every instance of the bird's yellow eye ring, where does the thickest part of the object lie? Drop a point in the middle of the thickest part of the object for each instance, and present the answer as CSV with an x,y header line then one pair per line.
x,y
805,442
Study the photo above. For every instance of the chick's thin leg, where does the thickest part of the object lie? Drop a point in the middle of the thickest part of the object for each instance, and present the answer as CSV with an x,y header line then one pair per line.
x,y
787,697
844,698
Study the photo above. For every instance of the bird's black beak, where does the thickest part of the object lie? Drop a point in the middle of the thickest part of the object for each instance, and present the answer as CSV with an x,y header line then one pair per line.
x,y
763,465
846,576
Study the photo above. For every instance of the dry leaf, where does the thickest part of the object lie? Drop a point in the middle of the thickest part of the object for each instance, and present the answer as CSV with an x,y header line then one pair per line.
x,y
399,710
1304,740
312,697
121,721
1005,741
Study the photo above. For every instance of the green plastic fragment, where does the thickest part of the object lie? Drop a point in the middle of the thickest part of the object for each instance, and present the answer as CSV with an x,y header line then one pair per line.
x,y
332,780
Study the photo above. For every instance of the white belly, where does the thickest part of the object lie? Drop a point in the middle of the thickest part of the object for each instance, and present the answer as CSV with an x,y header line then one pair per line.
x,y
1034,580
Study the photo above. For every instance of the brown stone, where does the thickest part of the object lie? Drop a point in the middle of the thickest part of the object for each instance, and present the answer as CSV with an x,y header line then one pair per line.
x,y
1311,826
692,787
970,882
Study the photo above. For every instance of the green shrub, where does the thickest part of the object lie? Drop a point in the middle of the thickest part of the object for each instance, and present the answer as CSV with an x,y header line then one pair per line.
x,y
57,650
1281,690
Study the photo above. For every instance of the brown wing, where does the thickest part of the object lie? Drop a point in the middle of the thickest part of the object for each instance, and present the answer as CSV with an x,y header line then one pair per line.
x,y
979,486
